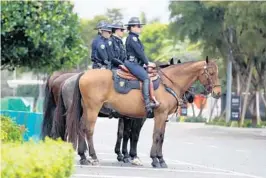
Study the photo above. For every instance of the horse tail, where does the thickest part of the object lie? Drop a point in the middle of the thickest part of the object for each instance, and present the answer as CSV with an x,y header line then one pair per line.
x,y
59,125
74,114
48,111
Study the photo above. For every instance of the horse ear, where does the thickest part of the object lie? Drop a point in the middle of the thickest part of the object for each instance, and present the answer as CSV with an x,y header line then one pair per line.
x,y
207,59
178,61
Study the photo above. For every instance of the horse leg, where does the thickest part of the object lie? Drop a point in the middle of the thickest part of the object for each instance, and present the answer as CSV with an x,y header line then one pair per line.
x,y
90,121
126,135
120,131
160,154
134,138
158,134
82,147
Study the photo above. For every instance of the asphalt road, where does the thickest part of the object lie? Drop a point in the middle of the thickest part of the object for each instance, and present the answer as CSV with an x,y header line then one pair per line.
x,y
190,150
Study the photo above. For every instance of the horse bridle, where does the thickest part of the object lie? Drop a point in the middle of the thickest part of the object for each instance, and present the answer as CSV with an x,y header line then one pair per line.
x,y
210,86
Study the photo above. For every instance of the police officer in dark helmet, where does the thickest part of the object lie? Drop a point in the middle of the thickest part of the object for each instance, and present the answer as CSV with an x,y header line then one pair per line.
x,y
136,60
96,64
118,47
102,55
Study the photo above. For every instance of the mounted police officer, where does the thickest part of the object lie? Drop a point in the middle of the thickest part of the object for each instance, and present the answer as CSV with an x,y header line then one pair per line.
x,y
96,64
119,48
102,52
136,60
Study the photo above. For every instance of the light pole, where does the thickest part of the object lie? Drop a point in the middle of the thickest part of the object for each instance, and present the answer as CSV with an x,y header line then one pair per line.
x,y
229,78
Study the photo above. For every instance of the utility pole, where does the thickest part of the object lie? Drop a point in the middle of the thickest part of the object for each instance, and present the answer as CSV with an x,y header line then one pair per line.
x,y
229,78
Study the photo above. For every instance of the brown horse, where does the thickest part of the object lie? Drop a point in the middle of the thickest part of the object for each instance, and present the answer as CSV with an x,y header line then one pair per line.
x,y
175,80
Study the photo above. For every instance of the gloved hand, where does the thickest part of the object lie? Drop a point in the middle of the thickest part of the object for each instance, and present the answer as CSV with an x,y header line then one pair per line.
x,y
106,62
100,65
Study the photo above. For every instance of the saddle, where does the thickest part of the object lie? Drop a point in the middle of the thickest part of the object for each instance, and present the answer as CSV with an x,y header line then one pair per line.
x,y
124,80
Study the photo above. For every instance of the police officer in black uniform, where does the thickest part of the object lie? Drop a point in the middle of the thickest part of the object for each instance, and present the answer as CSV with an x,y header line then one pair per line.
x,y
118,46
96,63
136,60
102,54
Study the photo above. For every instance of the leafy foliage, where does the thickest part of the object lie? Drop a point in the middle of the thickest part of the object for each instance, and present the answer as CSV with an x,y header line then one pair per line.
x,y
40,34
10,131
211,22
153,38
114,15
45,159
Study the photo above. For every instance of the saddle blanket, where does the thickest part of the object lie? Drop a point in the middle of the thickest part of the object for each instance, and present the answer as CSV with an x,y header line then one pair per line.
x,y
123,86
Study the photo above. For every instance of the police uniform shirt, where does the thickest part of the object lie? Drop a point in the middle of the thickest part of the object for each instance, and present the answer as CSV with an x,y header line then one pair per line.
x,y
135,48
93,47
119,48
109,49
101,52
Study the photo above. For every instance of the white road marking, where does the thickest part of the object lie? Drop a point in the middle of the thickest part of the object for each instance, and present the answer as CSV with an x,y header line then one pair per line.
x,y
168,170
218,169
104,176
189,143
213,146
245,151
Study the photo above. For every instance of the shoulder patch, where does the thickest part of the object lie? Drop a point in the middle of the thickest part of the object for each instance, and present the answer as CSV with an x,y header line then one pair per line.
x,y
102,46
135,38
110,43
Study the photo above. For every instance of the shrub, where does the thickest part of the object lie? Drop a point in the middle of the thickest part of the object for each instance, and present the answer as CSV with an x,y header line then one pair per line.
x,y
34,160
10,131
190,119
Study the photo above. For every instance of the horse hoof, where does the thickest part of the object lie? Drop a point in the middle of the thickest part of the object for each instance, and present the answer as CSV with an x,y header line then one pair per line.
x,y
126,160
136,161
163,165
95,162
84,162
155,163
120,158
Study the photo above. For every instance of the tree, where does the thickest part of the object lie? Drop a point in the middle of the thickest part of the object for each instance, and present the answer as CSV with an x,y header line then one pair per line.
x,y
153,38
209,22
143,17
114,15
40,35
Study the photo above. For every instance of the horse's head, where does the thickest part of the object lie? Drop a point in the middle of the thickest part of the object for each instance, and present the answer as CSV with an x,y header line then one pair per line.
x,y
208,76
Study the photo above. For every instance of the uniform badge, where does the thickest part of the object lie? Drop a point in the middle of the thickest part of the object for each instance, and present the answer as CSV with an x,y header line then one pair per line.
x,y
121,83
135,38
110,43
102,46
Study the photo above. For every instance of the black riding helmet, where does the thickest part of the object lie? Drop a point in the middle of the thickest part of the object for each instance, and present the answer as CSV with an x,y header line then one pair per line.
x,y
100,25
134,21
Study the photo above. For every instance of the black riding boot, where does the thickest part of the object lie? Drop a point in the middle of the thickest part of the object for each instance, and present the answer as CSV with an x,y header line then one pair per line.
x,y
146,95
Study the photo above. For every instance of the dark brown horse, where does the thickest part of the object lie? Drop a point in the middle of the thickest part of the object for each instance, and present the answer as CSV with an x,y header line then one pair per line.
x,y
175,80
52,90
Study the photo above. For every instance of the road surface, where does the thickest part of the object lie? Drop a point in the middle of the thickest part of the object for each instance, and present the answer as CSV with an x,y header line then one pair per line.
x,y
191,151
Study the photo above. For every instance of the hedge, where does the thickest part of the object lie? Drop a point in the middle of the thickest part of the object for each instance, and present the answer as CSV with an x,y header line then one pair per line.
x,y
10,131
47,159
220,121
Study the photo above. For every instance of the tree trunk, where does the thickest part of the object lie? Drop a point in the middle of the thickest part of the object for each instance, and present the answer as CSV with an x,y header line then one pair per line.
x,y
238,83
263,99
258,118
212,109
193,109
246,96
